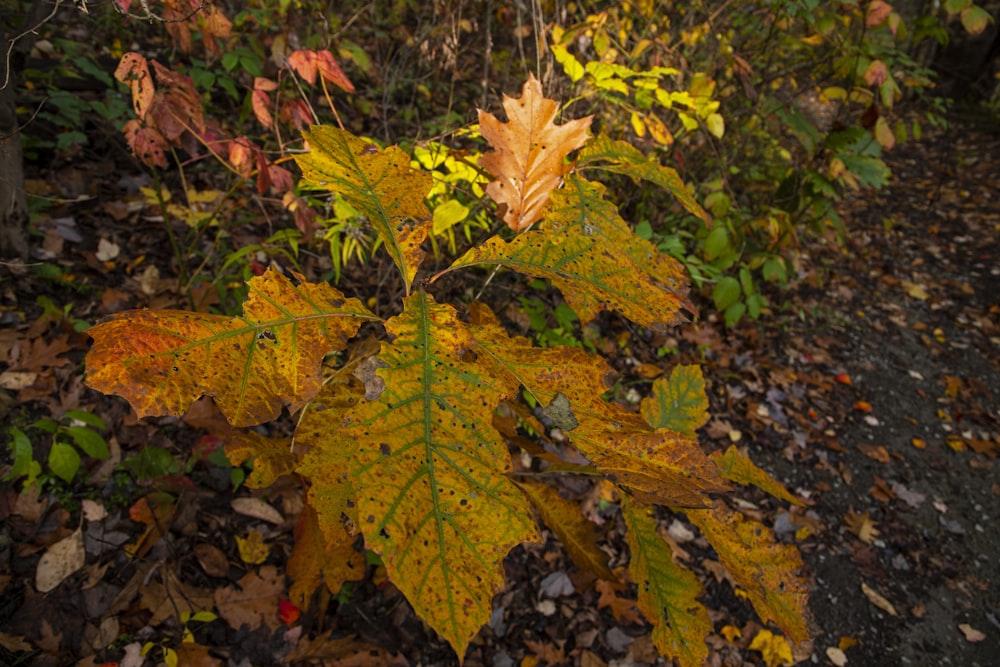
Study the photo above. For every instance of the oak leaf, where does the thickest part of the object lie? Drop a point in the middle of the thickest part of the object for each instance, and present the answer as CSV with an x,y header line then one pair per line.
x,y
377,182
426,469
657,466
564,518
528,160
667,592
621,157
761,566
163,361
590,254
680,403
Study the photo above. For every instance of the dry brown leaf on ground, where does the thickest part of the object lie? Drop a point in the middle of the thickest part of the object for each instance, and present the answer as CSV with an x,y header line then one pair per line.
x,y
254,602
60,561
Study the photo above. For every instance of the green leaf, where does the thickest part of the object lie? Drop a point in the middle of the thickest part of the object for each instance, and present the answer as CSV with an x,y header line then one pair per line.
x,y
765,569
678,404
151,462
90,441
591,255
24,461
955,6
64,461
428,470
163,361
734,313
621,157
871,172
774,271
716,243
667,592
87,418
726,292
378,182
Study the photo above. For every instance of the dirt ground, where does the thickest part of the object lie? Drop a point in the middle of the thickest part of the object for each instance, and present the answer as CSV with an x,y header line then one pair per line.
x,y
872,390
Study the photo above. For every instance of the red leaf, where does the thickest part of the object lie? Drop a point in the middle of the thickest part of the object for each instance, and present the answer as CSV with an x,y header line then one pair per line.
x,y
877,12
307,63
281,179
288,613
330,70
842,378
146,143
297,113
260,102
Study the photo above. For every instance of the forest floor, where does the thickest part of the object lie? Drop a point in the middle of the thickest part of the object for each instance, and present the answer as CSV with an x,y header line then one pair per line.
x,y
871,389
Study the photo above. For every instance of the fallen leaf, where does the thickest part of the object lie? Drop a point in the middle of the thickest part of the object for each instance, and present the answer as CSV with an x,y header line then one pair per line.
x,y
862,526
773,648
916,291
106,250
836,656
212,560
258,509
876,452
253,549
60,560
878,600
971,634
253,601
623,609
918,443
288,613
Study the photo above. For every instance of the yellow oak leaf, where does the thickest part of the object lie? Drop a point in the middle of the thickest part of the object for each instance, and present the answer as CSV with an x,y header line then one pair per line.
x,y
378,182
667,592
591,255
656,466
427,470
765,569
528,160
564,518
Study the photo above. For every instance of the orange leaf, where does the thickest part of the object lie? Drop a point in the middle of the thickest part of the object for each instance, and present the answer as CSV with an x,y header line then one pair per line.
x,y
330,70
530,151
163,361
623,609
134,71
261,102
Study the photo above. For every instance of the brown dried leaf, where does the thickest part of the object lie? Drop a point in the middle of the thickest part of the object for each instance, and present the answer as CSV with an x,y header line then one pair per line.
x,y
530,151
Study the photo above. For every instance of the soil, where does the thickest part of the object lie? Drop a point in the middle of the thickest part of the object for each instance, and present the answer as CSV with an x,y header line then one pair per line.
x,y
871,389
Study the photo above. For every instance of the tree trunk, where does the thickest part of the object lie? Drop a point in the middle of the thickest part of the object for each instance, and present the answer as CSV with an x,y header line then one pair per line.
x,y
13,204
